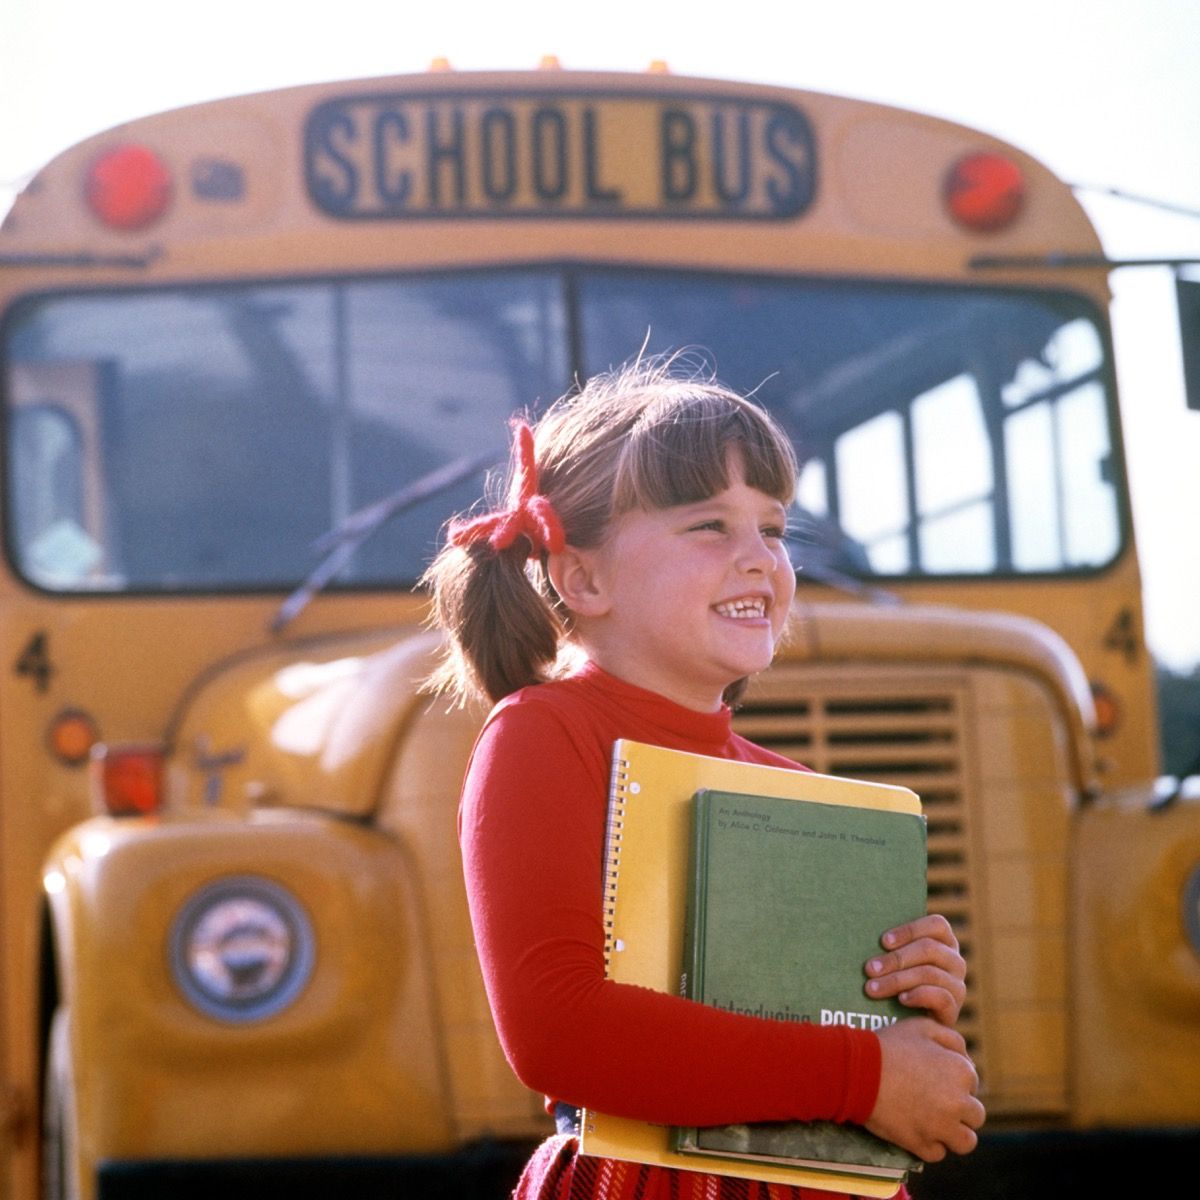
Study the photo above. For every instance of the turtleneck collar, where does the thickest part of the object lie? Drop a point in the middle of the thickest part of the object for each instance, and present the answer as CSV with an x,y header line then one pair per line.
x,y
676,722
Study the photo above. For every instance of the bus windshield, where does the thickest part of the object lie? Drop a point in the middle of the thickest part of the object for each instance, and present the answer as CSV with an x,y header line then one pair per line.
x,y
202,438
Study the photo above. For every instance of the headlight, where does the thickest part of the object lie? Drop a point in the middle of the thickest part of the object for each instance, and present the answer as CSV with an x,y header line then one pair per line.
x,y
241,949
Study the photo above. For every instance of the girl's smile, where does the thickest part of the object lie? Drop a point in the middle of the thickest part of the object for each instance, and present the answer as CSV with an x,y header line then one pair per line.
x,y
685,600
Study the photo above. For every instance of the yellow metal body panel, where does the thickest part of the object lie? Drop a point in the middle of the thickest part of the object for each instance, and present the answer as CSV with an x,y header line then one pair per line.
x,y
156,1078
419,805
1022,838
128,662
1101,618
853,226
1135,1035
309,725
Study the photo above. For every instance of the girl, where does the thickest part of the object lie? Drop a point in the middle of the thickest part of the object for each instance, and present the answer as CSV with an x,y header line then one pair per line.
x,y
635,580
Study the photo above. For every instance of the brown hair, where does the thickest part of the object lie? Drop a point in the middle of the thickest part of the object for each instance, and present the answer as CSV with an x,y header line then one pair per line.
x,y
643,436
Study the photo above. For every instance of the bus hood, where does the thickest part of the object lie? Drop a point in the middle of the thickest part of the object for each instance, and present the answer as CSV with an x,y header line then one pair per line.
x,y
302,725
851,632
317,724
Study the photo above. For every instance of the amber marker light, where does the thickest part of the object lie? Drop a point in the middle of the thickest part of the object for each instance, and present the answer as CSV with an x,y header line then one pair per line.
x,y
128,187
71,736
984,192
128,779
1108,710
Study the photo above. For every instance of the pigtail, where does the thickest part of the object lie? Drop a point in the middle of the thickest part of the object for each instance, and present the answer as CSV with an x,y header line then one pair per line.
x,y
503,634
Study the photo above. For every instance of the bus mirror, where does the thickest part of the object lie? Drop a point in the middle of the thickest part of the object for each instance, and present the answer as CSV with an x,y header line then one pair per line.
x,y
1188,293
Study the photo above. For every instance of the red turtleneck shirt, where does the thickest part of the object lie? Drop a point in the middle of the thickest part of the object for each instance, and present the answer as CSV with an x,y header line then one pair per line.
x,y
532,830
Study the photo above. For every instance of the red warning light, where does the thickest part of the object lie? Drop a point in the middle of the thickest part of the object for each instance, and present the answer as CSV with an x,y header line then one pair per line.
x,y
984,192
128,187
128,779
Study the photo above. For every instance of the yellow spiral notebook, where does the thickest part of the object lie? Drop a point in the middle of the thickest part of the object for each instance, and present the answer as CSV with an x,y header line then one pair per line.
x,y
647,882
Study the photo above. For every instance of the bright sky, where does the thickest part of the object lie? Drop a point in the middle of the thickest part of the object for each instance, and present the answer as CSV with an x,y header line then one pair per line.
x,y
1103,91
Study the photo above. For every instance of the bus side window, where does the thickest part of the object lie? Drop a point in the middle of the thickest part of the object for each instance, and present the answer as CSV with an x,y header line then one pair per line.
x,y
873,493
973,476
916,487
52,530
1062,505
955,487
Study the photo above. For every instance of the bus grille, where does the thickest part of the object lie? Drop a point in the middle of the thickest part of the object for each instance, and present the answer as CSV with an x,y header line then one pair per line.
x,y
909,736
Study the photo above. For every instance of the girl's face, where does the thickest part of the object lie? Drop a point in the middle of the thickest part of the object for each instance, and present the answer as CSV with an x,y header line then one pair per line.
x,y
687,600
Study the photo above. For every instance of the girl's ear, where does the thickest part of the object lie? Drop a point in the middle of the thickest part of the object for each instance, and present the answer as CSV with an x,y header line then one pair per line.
x,y
575,577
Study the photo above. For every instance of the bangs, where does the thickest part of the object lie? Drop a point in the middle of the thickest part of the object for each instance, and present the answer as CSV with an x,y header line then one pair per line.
x,y
677,452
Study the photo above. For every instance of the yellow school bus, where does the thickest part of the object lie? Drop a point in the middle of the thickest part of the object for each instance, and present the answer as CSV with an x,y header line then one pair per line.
x,y
254,352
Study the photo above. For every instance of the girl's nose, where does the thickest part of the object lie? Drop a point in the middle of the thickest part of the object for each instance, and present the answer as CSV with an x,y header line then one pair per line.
x,y
755,553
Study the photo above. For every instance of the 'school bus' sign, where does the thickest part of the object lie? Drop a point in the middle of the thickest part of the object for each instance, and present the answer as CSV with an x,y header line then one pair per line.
x,y
453,155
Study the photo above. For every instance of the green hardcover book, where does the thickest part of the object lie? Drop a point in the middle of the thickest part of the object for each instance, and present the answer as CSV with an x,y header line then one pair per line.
x,y
788,901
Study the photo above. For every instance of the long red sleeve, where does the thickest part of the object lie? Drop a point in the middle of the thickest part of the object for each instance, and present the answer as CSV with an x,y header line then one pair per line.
x,y
532,831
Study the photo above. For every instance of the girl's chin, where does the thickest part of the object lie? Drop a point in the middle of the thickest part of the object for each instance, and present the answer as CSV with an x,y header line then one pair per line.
x,y
745,666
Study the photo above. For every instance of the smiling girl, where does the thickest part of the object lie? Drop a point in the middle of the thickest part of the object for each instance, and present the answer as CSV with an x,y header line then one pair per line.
x,y
637,577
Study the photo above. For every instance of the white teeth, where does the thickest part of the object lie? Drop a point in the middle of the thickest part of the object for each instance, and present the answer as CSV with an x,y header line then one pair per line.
x,y
743,608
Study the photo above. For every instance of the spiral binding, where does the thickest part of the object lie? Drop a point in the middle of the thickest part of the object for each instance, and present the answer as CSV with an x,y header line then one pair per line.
x,y
613,833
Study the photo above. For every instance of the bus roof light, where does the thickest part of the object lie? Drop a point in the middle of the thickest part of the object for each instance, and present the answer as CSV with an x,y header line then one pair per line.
x,y
128,187
984,192
128,779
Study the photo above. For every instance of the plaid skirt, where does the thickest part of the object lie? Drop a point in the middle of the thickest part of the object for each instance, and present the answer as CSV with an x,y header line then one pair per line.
x,y
558,1172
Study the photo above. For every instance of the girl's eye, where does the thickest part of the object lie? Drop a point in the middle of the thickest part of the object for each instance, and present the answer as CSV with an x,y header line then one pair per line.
x,y
774,532
713,525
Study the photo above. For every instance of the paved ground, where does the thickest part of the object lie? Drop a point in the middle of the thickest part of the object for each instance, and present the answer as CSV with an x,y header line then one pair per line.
x,y
1006,1167
1060,1167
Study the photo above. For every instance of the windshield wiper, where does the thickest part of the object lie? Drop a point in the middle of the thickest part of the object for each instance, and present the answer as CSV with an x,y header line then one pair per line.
x,y
340,544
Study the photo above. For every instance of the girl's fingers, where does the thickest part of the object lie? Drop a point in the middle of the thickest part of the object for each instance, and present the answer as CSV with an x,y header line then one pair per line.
x,y
924,952
907,981
922,967
942,1003
932,925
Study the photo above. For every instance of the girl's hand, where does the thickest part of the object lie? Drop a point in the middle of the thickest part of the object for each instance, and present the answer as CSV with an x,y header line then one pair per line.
x,y
926,1100
922,968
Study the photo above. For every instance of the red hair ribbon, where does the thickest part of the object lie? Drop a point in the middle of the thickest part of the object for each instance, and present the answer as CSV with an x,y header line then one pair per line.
x,y
532,515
